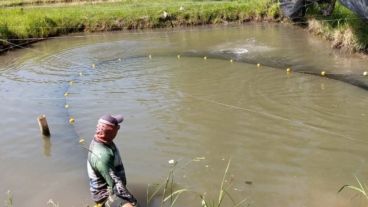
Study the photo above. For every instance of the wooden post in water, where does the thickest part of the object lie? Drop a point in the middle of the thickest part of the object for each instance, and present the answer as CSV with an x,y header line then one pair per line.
x,y
44,127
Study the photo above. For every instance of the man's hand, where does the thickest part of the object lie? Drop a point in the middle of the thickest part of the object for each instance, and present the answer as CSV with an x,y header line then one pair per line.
x,y
133,201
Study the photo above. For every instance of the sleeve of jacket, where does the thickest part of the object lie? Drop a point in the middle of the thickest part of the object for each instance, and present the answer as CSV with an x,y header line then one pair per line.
x,y
116,184
120,188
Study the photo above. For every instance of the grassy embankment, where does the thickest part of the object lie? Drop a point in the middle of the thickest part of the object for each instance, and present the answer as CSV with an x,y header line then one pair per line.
x,y
50,19
344,29
22,19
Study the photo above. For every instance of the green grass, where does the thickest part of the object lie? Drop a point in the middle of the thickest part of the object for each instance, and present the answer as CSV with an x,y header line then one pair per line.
x,y
170,193
12,3
223,193
9,200
48,18
344,28
361,188
52,20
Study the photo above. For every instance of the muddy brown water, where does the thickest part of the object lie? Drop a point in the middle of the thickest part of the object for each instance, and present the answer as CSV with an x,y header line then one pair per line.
x,y
293,139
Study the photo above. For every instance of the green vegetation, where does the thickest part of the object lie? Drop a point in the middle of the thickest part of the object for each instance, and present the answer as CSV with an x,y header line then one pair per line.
x,y
223,193
345,29
10,3
362,188
47,20
165,190
9,200
25,22
24,19
169,193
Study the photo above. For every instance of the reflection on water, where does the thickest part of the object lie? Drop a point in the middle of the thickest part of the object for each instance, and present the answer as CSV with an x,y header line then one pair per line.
x,y
293,138
46,146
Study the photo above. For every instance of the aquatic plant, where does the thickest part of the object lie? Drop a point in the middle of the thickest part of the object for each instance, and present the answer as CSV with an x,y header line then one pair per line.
x,y
223,193
166,189
169,195
52,203
9,200
362,188
343,28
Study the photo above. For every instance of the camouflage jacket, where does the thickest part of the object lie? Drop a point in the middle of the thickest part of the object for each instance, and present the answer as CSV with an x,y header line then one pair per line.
x,y
106,172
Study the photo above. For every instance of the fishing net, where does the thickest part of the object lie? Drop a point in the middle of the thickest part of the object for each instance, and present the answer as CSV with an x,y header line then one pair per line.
x,y
358,6
297,8
294,8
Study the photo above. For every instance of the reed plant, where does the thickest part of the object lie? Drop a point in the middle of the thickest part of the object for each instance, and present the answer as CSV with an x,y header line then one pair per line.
x,y
166,190
222,194
361,188
9,199
12,3
169,194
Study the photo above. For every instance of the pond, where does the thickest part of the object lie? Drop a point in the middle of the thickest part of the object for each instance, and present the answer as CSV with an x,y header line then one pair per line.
x,y
200,96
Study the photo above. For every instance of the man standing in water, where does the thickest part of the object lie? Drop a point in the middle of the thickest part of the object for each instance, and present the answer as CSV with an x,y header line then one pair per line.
x,y
105,168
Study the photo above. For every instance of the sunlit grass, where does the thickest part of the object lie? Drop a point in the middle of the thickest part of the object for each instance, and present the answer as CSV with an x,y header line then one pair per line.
x,y
22,19
361,188
165,190
9,199
222,194
52,203
344,28
169,193
52,20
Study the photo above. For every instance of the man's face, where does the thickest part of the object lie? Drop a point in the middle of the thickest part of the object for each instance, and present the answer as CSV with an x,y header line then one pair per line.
x,y
106,132
115,130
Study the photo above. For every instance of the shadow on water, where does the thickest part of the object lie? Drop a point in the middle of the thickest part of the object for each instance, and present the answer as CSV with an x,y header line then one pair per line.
x,y
47,146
